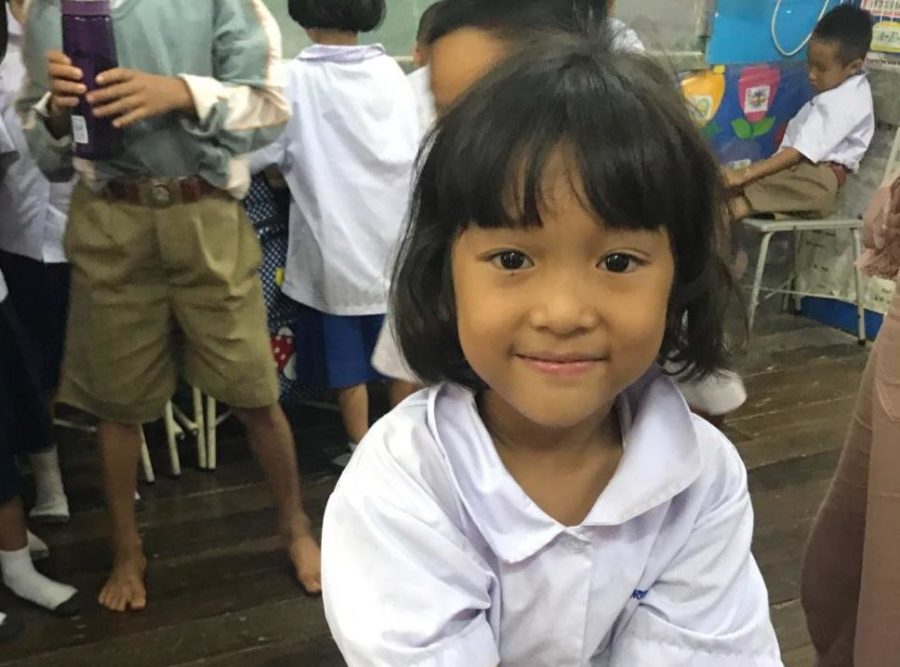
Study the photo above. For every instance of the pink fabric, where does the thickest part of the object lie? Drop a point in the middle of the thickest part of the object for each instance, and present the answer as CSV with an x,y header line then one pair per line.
x,y
881,233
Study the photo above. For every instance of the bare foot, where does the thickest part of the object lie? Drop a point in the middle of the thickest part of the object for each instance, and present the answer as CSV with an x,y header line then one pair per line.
x,y
306,557
125,588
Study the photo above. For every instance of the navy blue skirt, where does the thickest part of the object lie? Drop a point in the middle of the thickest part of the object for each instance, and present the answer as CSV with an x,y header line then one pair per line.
x,y
334,351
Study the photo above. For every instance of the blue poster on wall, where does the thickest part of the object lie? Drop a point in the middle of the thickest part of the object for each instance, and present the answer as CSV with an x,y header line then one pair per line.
x,y
744,109
743,29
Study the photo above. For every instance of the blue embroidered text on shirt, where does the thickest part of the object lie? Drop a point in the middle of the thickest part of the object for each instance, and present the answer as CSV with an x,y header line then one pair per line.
x,y
638,595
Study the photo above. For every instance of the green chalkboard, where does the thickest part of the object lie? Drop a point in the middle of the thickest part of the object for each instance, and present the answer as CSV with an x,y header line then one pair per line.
x,y
397,33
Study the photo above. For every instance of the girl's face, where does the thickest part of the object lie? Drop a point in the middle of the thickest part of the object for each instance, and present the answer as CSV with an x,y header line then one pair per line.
x,y
558,320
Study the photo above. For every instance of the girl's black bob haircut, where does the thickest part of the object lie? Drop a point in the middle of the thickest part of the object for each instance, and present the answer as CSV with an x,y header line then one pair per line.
x,y
344,15
514,18
641,162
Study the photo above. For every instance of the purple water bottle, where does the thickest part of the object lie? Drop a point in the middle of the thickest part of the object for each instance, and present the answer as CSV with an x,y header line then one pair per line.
x,y
89,42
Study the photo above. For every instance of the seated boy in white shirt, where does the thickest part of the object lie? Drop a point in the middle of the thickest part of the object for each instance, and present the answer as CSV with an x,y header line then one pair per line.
x,y
828,138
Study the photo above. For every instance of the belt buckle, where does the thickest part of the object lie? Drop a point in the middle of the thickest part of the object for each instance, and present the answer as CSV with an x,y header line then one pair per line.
x,y
161,193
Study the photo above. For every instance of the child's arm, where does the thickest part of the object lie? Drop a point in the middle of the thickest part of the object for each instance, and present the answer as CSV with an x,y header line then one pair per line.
x,y
709,606
50,91
402,585
243,105
738,178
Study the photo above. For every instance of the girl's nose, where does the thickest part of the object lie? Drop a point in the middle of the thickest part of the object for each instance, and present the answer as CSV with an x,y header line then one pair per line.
x,y
565,308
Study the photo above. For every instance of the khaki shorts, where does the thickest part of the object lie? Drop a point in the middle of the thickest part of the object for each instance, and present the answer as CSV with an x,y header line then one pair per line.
x,y
158,293
806,189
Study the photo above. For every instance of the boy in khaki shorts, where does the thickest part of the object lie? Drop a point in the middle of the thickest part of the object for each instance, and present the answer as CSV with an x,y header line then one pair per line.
x,y
828,138
164,262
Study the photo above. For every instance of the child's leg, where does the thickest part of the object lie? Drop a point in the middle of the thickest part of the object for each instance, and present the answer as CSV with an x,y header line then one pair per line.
x,y
354,404
39,296
271,439
400,390
19,574
51,504
740,208
120,449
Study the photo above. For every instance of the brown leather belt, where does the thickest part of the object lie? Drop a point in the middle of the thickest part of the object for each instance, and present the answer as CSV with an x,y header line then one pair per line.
x,y
840,172
160,192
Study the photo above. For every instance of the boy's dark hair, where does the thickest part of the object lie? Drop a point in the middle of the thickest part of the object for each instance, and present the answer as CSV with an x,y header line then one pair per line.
x,y
515,17
346,15
426,21
642,165
851,28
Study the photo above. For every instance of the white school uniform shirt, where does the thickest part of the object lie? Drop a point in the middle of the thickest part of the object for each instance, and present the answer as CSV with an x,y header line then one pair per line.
x,y
433,556
420,82
34,209
835,126
625,38
347,155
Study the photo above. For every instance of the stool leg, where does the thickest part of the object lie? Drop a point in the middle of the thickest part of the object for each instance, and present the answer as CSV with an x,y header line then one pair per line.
x,y
145,460
212,425
758,277
174,459
201,429
860,295
798,243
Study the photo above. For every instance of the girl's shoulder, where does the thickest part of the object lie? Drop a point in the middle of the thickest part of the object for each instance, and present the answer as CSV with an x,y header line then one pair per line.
x,y
402,459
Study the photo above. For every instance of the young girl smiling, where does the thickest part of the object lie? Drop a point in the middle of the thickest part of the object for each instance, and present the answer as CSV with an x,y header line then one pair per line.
x,y
550,499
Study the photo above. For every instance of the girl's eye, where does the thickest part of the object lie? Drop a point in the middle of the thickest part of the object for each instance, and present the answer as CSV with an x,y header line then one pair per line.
x,y
620,263
511,260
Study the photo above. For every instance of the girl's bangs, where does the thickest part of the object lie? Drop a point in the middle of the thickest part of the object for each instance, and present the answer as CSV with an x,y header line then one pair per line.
x,y
488,160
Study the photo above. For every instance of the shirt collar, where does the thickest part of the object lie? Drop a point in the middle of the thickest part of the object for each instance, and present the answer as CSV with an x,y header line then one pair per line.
x,y
661,458
341,54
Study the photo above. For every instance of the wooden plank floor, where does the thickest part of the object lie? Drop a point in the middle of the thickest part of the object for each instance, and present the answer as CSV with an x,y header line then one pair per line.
x,y
220,589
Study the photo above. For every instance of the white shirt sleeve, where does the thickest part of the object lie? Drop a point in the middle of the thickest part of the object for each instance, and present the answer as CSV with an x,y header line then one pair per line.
x,y
709,608
402,586
624,38
825,129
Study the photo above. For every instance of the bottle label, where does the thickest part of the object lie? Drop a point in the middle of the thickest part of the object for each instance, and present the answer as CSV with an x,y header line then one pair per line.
x,y
79,130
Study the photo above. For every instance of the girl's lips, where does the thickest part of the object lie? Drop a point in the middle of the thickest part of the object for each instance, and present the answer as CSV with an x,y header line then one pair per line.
x,y
561,365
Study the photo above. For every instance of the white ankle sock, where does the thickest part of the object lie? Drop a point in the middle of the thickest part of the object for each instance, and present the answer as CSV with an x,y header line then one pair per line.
x,y
22,579
37,547
51,496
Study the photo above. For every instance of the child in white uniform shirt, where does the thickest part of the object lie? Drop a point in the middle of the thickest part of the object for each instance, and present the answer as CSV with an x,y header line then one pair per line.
x,y
386,357
828,138
419,79
347,156
551,500
32,257
24,427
